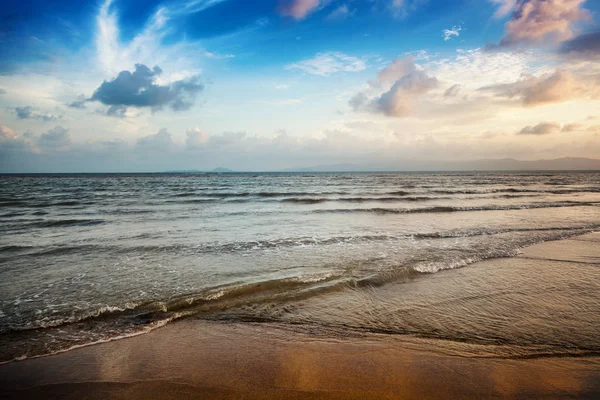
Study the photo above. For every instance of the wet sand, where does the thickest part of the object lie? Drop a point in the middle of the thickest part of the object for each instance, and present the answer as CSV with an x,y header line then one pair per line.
x,y
218,360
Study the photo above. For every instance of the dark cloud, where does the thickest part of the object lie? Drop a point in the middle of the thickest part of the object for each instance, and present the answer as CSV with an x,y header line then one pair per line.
x,y
116,111
55,138
28,112
79,103
24,112
138,89
452,91
583,47
358,101
543,128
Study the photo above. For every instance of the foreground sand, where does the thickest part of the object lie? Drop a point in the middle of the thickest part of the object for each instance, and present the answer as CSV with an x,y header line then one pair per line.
x,y
197,359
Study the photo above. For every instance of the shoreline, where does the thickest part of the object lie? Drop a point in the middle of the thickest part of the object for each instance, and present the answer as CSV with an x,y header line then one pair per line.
x,y
193,358
213,360
161,323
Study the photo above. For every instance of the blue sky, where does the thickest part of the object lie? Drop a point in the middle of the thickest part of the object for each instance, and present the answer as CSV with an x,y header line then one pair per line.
x,y
262,85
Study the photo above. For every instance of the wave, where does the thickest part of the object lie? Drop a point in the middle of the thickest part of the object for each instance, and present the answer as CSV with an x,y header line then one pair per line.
x,y
257,301
358,199
223,297
68,222
301,241
21,203
212,299
449,209
14,248
517,190
399,193
305,200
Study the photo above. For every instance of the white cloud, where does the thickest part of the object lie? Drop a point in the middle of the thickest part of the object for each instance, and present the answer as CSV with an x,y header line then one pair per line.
x,y
195,138
559,86
409,84
504,7
448,34
147,46
340,13
6,133
476,68
218,56
324,64
541,21
158,142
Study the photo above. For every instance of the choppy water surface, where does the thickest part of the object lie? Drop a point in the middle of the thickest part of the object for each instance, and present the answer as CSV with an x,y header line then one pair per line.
x,y
87,258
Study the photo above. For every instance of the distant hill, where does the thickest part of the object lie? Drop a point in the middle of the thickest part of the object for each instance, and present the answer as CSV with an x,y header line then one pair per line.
x,y
505,164
222,170
567,163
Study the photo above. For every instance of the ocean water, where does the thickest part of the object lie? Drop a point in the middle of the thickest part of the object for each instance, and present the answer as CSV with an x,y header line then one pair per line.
x,y
90,258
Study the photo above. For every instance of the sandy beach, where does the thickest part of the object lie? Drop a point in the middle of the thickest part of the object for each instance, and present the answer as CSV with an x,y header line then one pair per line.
x,y
219,360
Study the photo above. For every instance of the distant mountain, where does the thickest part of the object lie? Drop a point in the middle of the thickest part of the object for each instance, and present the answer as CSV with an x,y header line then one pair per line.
x,y
505,164
222,170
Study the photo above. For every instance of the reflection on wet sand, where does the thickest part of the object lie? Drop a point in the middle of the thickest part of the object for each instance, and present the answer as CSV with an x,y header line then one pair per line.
x,y
215,360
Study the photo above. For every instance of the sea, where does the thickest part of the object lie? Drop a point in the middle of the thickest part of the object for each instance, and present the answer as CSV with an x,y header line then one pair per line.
x,y
88,258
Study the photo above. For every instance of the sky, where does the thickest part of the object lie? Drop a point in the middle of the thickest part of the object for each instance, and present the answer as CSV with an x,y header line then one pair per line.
x,y
142,86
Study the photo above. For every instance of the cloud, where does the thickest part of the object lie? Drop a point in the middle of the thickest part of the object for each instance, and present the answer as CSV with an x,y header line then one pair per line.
x,y
401,8
160,141
542,21
149,46
324,64
226,138
297,9
400,67
56,138
452,91
79,103
504,7
397,102
6,133
2,91
573,127
583,47
138,89
543,128
447,34
218,56
196,138
29,112
410,83
340,13
117,111
557,87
